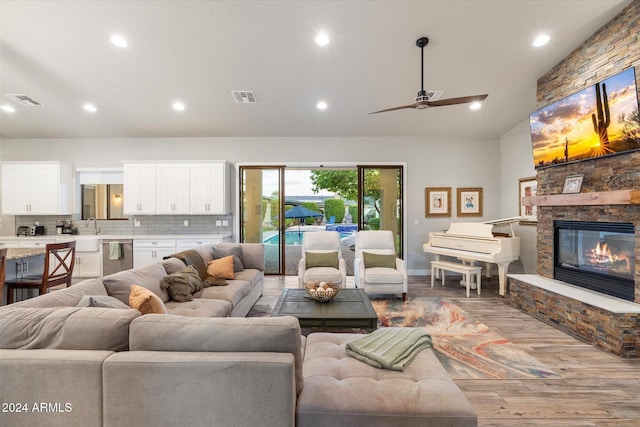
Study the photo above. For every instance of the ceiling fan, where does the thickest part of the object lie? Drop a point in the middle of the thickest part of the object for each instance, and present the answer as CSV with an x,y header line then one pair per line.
x,y
422,101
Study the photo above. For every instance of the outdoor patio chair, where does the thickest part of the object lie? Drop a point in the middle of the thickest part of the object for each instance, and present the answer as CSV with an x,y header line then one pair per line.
x,y
322,259
376,268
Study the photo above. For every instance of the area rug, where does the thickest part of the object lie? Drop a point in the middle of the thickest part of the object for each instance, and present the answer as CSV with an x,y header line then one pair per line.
x,y
467,348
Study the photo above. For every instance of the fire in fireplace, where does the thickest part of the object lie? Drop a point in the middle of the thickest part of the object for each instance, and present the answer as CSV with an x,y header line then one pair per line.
x,y
596,255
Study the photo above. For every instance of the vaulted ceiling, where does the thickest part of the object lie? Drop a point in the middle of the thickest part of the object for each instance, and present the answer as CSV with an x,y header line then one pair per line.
x,y
59,53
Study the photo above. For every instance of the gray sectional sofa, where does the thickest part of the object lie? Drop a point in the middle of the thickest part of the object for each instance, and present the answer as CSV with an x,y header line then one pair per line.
x,y
201,364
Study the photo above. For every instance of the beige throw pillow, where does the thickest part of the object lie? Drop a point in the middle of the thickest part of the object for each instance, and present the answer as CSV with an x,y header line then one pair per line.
x,y
145,301
221,268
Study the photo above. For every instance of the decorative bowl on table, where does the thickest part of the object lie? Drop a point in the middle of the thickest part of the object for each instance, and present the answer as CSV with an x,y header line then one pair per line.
x,y
322,291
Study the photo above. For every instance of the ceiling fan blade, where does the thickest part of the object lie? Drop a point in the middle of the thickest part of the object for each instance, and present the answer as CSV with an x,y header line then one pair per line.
x,y
414,105
454,101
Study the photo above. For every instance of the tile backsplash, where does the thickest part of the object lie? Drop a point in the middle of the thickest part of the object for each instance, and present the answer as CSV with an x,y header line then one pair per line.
x,y
148,224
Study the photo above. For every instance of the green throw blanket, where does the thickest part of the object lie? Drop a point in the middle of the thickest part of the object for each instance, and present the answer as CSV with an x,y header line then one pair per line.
x,y
390,348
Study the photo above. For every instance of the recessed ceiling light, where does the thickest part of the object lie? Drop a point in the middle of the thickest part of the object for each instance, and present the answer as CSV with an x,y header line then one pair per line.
x,y
90,108
475,105
7,108
178,106
321,105
119,41
541,40
322,39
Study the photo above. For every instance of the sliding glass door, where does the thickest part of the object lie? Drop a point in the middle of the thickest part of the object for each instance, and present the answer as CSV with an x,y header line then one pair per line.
x,y
261,195
380,200
378,190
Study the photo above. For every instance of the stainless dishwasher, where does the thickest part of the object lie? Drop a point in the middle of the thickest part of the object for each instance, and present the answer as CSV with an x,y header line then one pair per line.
x,y
117,255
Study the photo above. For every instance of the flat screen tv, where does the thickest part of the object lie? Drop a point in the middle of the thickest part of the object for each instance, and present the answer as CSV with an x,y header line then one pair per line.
x,y
600,120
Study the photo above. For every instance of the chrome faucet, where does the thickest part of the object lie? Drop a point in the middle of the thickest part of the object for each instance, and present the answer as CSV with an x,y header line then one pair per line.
x,y
96,230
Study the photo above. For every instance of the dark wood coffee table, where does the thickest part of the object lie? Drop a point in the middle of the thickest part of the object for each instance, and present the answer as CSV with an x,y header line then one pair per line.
x,y
351,308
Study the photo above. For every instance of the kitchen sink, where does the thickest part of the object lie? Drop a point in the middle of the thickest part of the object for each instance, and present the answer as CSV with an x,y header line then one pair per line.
x,y
87,244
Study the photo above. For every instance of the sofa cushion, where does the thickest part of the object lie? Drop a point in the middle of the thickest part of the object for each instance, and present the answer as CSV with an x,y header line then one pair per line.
x,y
321,259
173,265
221,268
252,255
158,332
193,258
372,260
182,284
235,250
68,297
323,274
148,276
200,307
383,275
71,377
103,301
250,275
233,292
70,328
145,301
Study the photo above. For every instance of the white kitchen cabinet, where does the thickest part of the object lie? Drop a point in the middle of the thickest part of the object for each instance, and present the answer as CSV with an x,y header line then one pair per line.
x,y
36,188
147,251
139,189
88,264
172,191
185,244
209,189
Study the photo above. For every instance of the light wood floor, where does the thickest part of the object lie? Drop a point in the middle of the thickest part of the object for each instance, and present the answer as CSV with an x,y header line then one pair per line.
x,y
596,388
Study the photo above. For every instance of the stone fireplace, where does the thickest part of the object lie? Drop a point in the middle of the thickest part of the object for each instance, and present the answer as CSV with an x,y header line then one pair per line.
x,y
573,234
610,323
601,177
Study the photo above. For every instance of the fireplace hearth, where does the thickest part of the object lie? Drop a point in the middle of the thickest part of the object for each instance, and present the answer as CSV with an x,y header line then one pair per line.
x,y
596,255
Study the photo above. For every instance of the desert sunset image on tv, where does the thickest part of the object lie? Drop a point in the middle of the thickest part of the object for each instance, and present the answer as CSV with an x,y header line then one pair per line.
x,y
598,121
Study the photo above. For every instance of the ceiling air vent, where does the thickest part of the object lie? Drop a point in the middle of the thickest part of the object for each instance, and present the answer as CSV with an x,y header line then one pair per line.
x,y
244,96
25,100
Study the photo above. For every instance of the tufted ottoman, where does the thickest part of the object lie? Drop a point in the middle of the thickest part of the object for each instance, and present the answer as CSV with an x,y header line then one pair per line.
x,y
342,391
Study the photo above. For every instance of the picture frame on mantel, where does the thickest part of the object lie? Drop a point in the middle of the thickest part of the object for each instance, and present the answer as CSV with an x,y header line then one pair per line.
x,y
527,187
573,184
437,202
470,201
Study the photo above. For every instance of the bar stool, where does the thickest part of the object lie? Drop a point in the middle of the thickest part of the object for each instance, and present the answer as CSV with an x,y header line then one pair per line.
x,y
59,260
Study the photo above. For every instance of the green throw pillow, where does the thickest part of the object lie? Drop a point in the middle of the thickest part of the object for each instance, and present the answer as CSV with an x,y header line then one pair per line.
x,y
378,260
321,259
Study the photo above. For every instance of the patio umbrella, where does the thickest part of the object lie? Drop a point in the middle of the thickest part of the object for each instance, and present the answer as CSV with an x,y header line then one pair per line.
x,y
300,212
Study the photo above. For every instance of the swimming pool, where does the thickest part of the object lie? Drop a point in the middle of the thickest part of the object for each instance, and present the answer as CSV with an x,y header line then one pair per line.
x,y
295,237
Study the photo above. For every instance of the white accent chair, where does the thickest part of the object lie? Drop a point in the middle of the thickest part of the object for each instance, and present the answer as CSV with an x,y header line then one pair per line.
x,y
379,280
319,242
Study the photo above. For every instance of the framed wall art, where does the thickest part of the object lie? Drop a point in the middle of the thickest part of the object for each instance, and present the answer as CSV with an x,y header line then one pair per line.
x,y
470,201
572,184
527,187
437,202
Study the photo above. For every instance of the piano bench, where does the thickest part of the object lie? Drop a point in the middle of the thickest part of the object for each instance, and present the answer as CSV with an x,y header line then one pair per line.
x,y
456,267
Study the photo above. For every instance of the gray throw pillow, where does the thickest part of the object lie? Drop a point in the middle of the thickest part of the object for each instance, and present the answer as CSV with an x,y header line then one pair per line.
x,y
378,260
321,259
236,251
183,284
102,301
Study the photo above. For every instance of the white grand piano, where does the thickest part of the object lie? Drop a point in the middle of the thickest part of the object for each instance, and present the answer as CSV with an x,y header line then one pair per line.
x,y
478,241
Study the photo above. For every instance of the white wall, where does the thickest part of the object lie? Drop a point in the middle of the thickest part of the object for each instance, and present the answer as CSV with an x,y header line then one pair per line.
x,y
516,161
431,162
